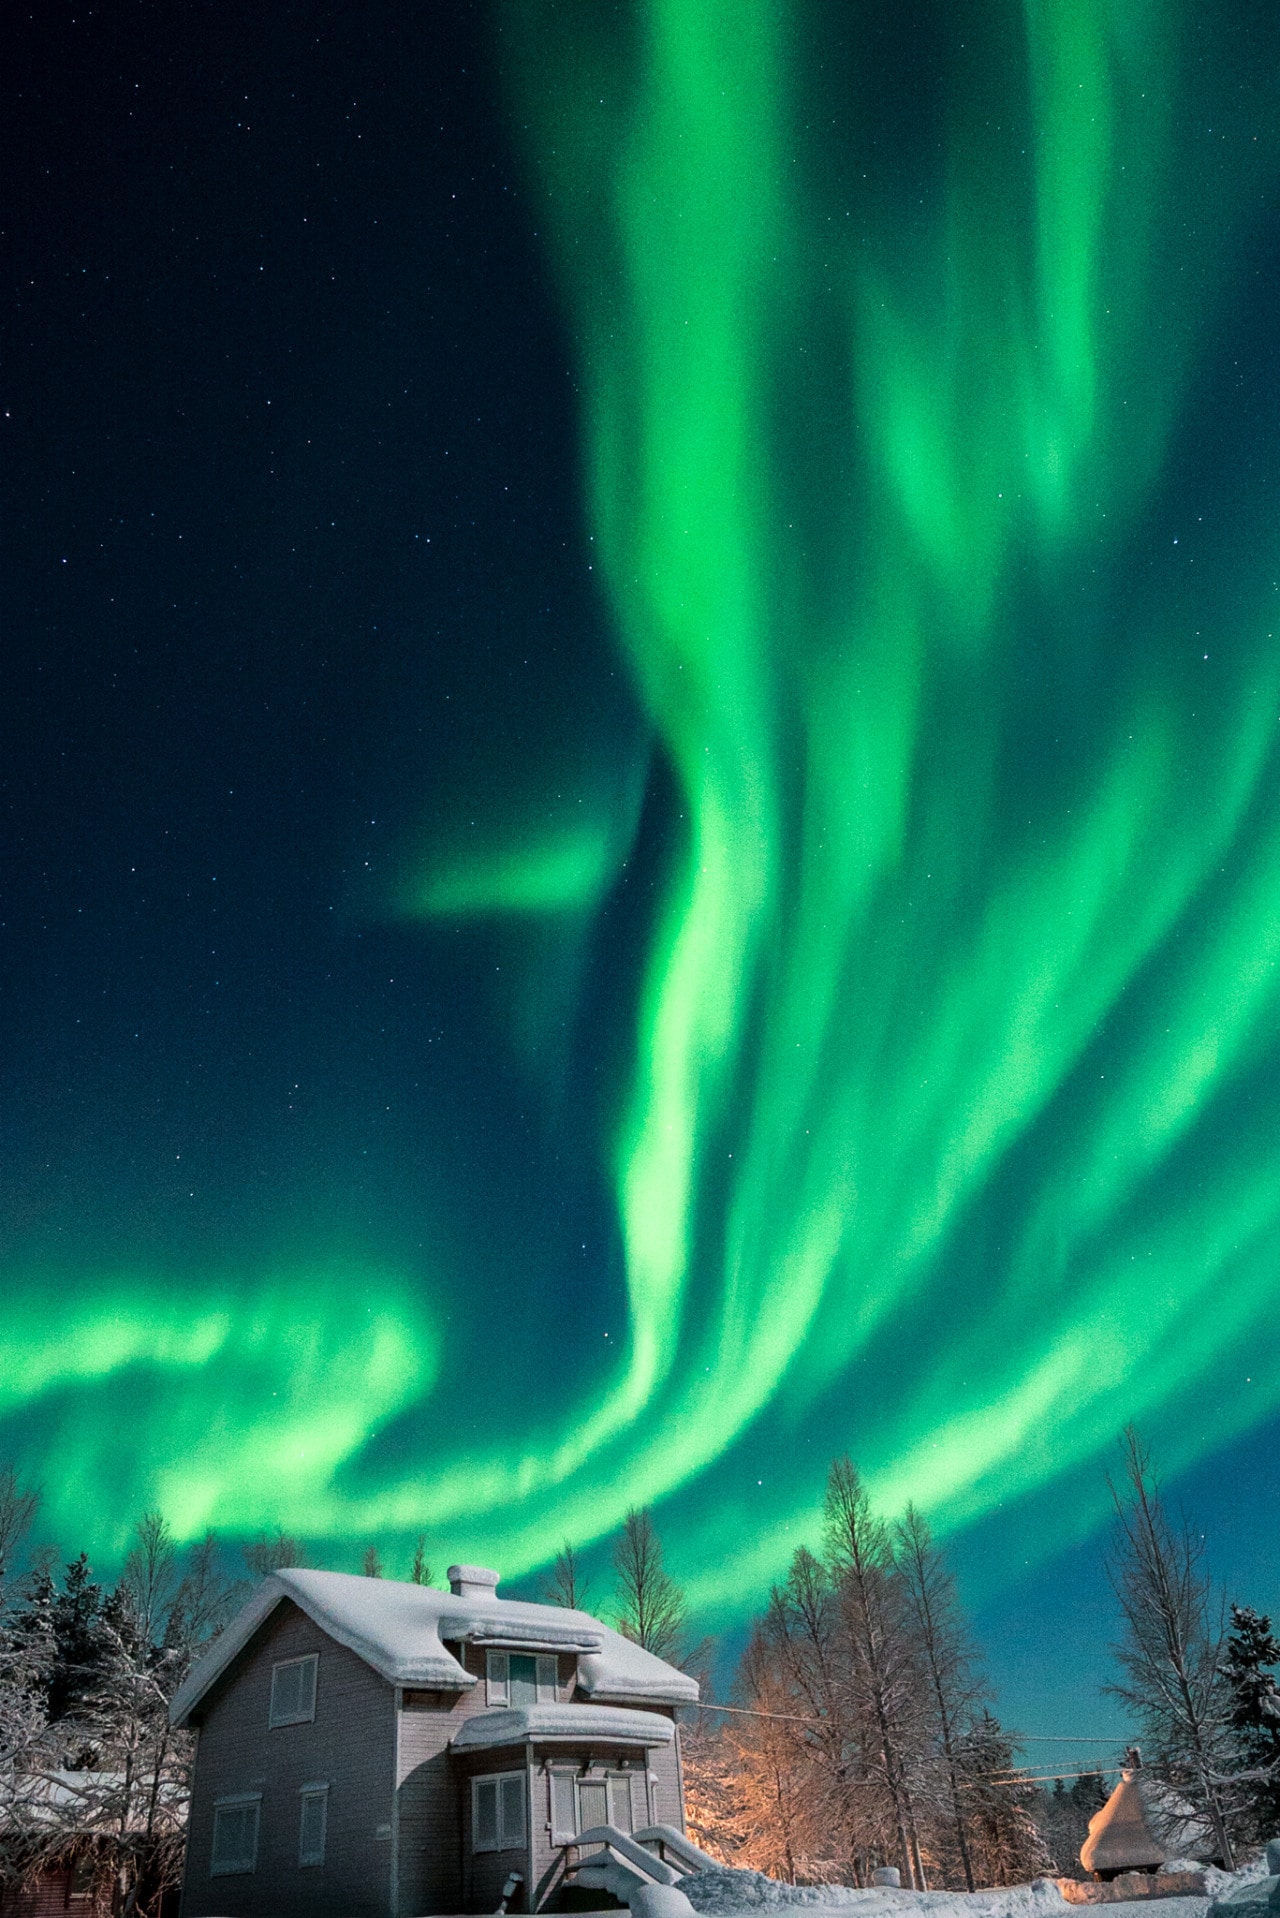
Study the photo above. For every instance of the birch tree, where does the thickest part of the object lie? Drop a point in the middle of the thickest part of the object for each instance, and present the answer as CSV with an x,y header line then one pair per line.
x,y
883,1667
1172,1648
948,1657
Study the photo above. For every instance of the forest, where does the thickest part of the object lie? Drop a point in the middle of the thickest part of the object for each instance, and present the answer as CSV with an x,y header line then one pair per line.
x,y
856,1732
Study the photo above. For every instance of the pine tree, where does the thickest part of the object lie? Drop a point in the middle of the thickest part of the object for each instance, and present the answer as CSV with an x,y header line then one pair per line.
x,y
82,1647
1255,1716
1063,1817
1004,1841
420,1571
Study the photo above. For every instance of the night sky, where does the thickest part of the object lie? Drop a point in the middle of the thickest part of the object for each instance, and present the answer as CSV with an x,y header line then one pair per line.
x,y
640,778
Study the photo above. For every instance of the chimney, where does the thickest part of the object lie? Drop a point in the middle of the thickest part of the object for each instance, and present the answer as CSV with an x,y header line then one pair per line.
x,y
473,1581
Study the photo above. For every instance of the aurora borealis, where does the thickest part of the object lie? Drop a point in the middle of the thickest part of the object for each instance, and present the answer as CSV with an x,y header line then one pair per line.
x,y
689,856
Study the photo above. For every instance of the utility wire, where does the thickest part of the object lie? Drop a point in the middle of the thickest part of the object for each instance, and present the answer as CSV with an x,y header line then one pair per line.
x,y
793,1718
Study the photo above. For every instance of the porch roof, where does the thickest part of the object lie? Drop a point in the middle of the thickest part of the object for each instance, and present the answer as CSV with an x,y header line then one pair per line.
x,y
562,1724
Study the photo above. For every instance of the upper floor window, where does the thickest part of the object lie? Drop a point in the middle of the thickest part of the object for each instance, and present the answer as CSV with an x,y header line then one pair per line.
x,y
235,1834
313,1817
293,1691
497,1812
520,1678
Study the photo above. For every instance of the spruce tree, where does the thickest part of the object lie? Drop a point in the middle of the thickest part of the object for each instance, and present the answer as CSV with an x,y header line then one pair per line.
x,y
1004,1840
82,1649
1255,1716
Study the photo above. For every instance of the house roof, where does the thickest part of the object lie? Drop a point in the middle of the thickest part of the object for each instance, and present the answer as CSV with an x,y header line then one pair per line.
x,y
551,1724
403,1631
1119,1837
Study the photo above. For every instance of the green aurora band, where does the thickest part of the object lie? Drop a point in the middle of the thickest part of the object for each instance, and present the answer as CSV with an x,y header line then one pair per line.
x,y
946,573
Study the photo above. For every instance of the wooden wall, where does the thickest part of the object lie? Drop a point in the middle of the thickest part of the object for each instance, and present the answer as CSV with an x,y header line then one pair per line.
x,y
351,1744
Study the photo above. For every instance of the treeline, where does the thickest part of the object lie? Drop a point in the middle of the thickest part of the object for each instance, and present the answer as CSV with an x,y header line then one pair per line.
x,y
93,1780
862,1734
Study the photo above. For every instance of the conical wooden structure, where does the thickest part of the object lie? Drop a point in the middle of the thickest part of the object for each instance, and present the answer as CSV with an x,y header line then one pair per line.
x,y
1120,1838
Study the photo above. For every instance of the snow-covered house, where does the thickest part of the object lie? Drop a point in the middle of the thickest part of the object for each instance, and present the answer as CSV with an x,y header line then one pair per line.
x,y
366,1746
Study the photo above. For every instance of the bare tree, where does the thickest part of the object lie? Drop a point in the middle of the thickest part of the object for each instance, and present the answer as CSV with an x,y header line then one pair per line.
x,y
266,1554
948,1654
1173,1645
149,1581
204,1599
775,1796
18,1507
650,1605
567,1584
884,1670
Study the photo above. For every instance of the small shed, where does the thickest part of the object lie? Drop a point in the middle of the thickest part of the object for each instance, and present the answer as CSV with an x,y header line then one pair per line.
x,y
1120,1838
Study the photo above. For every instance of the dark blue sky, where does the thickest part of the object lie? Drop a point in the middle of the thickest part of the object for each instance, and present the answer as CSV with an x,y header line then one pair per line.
x,y
297,584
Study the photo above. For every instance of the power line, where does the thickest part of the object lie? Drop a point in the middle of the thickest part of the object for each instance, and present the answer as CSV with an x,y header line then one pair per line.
x,y
793,1718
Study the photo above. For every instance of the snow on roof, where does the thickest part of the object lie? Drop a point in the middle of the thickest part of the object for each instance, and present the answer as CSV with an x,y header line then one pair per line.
x,y
549,1723
1120,1838
403,1630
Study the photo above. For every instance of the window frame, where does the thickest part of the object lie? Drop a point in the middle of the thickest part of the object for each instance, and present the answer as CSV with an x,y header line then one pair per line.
x,y
504,1841
497,1676
278,1720
309,1794
236,1801
615,1779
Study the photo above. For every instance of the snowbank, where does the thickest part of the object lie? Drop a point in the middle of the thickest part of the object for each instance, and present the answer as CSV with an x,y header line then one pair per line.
x,y
725,1891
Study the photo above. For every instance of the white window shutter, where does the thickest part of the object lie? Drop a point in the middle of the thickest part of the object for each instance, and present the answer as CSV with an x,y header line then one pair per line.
x,y
620,1801
499,1691
548,1680
512,1810
564,1810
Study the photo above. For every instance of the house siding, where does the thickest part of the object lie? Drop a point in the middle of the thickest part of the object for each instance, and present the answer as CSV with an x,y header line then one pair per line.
x,y
437,1869
350,1745
387,1760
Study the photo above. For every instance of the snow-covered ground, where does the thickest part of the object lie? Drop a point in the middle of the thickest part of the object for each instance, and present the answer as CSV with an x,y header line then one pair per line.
x,y
724,1893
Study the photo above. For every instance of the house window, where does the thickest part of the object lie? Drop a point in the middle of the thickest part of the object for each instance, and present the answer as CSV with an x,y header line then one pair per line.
x,y
293,1691
235,1835
497,1812
578,1804
312,1819
520,1678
